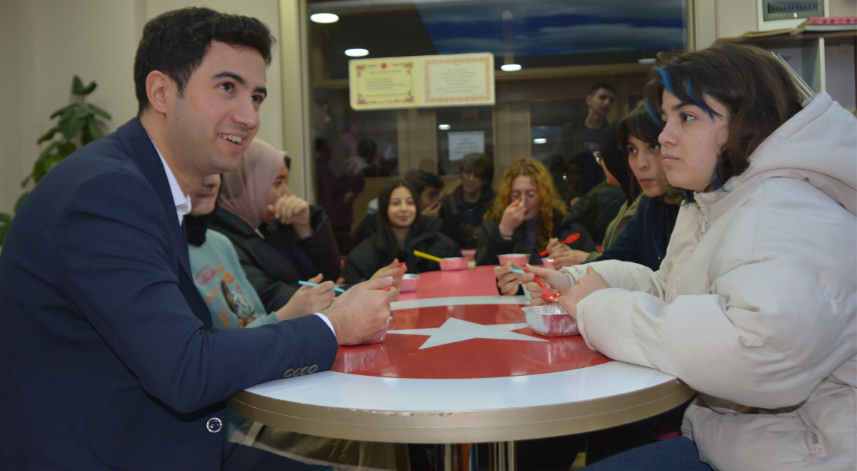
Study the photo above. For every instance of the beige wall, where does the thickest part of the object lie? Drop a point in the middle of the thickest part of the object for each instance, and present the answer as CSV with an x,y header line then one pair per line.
x,y
43,43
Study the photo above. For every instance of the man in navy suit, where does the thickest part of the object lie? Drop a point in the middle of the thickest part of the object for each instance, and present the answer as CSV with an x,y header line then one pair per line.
x,y
107,352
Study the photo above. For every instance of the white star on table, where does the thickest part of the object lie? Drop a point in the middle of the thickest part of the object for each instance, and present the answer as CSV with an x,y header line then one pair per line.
x,y
457,330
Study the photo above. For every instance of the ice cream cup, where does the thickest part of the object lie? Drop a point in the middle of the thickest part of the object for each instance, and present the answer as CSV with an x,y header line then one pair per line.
x,y
453,263
409,283
520,258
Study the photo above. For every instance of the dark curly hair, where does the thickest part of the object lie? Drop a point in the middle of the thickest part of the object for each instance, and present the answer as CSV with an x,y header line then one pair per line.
x,y
753,85
176,41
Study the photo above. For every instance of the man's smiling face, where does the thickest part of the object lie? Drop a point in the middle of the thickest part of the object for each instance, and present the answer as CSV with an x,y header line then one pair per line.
x,y
217,115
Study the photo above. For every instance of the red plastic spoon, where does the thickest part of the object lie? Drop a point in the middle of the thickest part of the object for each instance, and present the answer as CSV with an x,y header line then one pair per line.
x,y
572,238
547,293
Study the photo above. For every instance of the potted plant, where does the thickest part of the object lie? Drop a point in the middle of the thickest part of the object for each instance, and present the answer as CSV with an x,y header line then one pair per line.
x,y
77,125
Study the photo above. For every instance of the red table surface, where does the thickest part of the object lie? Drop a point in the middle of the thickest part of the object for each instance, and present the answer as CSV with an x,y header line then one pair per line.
x,y
476,281
400,355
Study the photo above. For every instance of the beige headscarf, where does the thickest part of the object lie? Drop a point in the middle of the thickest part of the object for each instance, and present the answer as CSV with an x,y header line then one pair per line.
x,y
245,189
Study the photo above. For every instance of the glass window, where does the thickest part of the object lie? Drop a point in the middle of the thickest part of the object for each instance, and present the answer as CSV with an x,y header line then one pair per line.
x,y
560,49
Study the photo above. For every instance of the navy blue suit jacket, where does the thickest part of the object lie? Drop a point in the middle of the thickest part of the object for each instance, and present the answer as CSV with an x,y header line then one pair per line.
x,y
107,351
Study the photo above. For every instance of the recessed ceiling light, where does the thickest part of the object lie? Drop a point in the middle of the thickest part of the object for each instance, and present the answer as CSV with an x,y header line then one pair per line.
x,y
510,67
647,60
357,52
324,18
540,140
443,127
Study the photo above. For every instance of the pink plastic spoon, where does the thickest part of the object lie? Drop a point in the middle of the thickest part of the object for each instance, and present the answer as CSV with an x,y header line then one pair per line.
x,y
547,293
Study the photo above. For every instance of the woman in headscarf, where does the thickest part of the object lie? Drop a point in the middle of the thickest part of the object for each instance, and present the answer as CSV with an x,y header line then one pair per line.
x,y
279,237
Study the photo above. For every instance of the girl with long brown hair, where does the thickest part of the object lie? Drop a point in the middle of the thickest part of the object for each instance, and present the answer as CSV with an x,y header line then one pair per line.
x,y
401,230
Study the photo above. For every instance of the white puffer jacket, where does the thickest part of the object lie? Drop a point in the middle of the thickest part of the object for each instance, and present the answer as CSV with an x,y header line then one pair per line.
x,y
754,305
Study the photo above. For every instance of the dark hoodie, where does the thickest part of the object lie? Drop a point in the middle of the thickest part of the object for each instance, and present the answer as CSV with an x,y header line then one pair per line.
x,y
462,220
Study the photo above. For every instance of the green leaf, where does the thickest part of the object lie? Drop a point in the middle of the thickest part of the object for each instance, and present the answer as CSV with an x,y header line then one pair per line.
x,y
77,86
21,200
47,151
99,111
85,135
5,222
92,128
66,149
38,171
48,135
70,126
89,88
24,181
52,162
63,110
82,111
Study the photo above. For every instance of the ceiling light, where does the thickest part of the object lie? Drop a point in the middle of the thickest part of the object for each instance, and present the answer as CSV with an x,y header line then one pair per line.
x,y
443,127
510,67
357,52
540,140
647,60
324,18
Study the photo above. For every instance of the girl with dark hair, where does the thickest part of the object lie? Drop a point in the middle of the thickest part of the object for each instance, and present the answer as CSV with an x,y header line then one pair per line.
x,y
755,304
401,230
650,219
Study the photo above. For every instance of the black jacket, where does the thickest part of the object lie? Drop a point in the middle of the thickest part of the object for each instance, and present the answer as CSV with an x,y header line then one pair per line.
x,y
646,235
275,263
491,243
366,229
461,220
376,252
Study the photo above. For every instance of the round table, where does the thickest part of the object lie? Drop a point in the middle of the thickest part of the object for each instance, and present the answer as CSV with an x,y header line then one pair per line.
x,y
460,365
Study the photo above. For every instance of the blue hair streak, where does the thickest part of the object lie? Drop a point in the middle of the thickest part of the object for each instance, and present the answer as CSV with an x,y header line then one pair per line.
x,y
667,82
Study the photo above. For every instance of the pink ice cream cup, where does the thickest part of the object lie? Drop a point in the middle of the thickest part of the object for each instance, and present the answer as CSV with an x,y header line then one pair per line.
x,y
522,259
409,283
453,263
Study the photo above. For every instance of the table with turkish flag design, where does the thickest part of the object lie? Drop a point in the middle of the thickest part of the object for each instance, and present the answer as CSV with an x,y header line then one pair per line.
x,y
460,365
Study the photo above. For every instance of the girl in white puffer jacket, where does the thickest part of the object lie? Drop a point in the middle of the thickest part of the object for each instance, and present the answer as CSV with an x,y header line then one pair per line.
x,y
754,305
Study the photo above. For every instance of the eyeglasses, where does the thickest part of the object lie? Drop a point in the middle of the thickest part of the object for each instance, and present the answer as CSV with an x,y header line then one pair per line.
x,y
516,196
597,155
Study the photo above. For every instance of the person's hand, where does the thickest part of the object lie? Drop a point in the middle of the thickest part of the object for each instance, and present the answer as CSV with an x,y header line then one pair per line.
x,y
556,280
394,270
507,281
556,248
308,299
513,216
361,312
573,201
586,285
569,258
293,210
432,210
